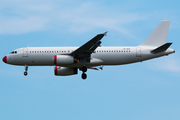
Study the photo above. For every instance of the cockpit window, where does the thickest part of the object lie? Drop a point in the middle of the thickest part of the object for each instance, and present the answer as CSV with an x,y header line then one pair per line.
x,y
13,52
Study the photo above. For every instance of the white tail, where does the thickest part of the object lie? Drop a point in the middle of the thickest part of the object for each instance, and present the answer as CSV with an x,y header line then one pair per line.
x,y
158,36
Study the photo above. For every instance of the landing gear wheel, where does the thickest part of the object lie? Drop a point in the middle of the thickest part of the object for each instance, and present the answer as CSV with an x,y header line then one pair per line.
x,y
25,73
84,69
26,68
84,76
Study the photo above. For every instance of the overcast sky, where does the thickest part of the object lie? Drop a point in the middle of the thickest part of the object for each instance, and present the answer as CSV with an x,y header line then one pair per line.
x,y
140,91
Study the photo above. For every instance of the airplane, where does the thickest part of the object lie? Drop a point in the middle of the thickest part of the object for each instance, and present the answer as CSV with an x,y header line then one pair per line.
x,y
68,60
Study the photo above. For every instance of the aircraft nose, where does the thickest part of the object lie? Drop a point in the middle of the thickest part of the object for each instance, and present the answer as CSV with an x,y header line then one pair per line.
x,y
4,59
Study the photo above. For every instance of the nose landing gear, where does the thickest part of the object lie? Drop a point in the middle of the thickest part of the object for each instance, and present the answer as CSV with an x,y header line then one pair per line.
x,y
26,68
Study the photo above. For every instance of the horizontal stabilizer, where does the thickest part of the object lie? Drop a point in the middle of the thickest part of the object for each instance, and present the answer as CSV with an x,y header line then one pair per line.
x,y
161,48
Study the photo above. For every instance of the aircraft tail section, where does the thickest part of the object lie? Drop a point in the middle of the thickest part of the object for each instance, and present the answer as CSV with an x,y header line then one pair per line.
x,y
158,36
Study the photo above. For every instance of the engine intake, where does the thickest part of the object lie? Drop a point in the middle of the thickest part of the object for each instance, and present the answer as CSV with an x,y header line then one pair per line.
x,y
65,71
64,60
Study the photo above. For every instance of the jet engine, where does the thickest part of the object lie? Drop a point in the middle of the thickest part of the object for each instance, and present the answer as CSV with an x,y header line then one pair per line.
x,y
65,71
64,59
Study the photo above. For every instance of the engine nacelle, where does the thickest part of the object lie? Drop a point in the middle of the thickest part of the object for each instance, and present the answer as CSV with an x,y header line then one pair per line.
x,y
64,60
65,71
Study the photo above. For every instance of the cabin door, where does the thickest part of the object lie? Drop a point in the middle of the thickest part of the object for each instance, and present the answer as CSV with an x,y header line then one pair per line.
x,y
138,52
25,52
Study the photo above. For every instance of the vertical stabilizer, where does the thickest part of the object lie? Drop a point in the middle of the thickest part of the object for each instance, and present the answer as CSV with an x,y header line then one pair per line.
x,y
158,36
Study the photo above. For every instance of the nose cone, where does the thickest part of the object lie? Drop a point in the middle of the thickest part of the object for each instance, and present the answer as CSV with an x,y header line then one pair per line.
x,y
4,59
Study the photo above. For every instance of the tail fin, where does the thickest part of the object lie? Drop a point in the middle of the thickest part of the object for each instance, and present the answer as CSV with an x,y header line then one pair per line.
x,y
158,36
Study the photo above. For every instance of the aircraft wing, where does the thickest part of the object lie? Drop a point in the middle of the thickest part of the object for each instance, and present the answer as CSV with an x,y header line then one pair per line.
x,y
88,48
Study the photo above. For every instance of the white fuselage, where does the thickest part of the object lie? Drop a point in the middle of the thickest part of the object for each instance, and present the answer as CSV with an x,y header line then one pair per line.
x,y
44,56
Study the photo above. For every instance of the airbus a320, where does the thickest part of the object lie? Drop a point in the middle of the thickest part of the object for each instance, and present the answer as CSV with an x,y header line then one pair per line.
x,y
68,60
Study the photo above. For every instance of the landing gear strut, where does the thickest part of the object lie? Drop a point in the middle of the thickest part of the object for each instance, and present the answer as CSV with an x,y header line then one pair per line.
x,y
84,69
26,68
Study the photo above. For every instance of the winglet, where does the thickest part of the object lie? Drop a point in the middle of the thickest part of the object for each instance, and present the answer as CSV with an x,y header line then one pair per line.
x,y
105,34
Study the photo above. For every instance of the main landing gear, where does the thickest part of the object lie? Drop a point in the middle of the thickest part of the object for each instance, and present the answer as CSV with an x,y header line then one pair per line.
x,y
84,69
84,76
26,68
